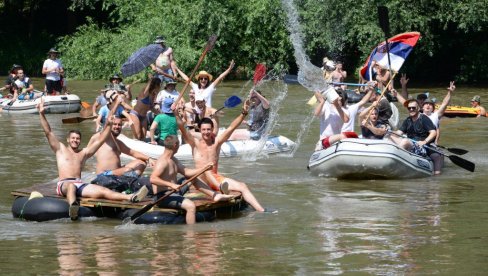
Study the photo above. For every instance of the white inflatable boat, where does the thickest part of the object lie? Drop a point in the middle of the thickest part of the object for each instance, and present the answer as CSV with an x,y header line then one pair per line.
x,y
368,159
234,148
53,104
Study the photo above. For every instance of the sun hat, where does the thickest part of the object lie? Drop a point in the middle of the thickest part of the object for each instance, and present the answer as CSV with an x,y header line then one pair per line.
x,y
159,39
429,101
115,77
204,74
405,104
109,94
167,105
170,82
53,50
476,99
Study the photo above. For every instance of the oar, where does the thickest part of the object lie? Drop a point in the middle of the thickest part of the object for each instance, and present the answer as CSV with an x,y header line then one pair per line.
x,y
75,120
454,150
231,102
385,26
148,207
259,73
461,162
210,44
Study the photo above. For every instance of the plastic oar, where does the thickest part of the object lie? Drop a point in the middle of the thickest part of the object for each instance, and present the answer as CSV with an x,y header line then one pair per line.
x,y
259,73
231,102
454,150
75,120
148,207
208,47
461,162
385,26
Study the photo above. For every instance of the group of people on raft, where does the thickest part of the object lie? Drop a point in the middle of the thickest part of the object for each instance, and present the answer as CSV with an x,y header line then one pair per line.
x,y
419,132
197,122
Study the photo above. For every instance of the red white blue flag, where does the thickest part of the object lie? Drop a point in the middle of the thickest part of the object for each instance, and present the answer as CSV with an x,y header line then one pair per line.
x,y
400,46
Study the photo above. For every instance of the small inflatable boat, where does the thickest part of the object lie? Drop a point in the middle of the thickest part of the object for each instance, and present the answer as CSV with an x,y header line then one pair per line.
x,y
53,105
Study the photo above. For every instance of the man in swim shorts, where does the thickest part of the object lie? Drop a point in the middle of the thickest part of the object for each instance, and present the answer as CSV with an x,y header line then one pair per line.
x,y
70,161
206,150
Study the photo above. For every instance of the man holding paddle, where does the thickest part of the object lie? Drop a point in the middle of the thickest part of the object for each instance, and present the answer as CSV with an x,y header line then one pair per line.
x,y
71,159
207,148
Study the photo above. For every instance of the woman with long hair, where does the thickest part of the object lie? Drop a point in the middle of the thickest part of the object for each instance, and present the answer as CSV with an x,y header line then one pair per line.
x,y
145,102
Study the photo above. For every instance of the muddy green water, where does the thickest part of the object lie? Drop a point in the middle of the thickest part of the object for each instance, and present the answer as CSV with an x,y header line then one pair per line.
x,y
433,225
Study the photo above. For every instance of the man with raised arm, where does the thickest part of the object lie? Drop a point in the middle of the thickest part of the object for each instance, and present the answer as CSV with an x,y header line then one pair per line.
x,y
206,150
70,161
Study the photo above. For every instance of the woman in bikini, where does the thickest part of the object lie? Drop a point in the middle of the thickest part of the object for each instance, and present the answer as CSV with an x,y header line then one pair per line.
x,y
145,102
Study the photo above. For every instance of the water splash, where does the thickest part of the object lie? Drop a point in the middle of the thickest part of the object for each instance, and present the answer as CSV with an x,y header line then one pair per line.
x,y
309,75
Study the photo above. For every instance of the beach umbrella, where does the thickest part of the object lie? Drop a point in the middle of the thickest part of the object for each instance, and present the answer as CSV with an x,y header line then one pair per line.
x,y
141,59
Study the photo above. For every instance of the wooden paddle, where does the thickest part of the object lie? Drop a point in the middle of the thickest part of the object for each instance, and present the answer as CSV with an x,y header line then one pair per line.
x,y
210,44
75,120
148,207
454,150
461,162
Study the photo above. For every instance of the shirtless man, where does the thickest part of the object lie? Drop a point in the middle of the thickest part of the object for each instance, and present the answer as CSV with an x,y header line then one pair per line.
x,y
165,63
339,75
108,156
70,161
163,178
206,150
476,103
203,111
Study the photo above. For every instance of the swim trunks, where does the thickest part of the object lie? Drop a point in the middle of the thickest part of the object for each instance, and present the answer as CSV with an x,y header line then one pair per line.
x,y
78,183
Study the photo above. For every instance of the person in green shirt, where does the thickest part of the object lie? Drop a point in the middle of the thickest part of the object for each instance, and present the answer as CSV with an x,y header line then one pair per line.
x,y
164,124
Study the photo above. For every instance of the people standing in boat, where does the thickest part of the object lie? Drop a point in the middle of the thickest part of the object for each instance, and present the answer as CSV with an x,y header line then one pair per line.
x,y
70,161
420,132
332,117
9,82
145,102
205,86
163,180
258,118
164,124
476,103
110,171
53,69
206,149
117,85
339,75
121,111
371,128
164,64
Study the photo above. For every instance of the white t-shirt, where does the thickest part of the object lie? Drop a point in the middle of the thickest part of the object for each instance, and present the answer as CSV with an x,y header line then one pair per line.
x,y
434,117
50,64
353,111
205,93
330,121
163,94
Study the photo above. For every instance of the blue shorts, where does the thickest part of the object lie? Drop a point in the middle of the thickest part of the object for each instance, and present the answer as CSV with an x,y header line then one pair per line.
x,y
130,173
418,150
22,96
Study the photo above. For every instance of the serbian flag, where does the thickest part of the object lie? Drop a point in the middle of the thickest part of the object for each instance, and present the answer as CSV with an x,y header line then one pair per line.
x,y
399,46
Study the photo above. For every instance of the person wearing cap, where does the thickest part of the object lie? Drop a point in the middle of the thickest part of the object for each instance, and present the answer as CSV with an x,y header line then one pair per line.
x,y
164,64
258,118
111,97
53,69
205,86
115,83
164,124
169,91
476,103
420,131
9,82
206,149
201,111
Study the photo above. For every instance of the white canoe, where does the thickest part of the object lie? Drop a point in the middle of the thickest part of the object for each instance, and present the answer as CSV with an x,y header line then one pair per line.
x,y
274,144
368,159
53,104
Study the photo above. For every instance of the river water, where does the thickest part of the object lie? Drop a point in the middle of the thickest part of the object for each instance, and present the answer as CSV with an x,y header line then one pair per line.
x,y
433,225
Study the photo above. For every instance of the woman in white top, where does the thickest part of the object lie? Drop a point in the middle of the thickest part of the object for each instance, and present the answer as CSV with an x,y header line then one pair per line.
x,y
205,87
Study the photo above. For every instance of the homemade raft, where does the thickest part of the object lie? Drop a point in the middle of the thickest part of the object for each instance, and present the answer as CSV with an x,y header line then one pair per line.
x,y
51,207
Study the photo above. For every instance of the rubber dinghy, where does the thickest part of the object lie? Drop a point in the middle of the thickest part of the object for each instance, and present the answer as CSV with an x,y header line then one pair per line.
x,y
354,158
233,148
53,104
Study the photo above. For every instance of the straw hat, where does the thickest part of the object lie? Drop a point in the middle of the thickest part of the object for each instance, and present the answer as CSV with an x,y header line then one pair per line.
x,y
115,77
204,74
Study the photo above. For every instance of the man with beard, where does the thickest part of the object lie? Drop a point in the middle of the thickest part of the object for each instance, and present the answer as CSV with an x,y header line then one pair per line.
x,y
71,159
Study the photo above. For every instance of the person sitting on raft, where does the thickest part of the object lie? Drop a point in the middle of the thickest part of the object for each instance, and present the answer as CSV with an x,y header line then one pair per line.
x,y
371,128
258,118
70,161
111,97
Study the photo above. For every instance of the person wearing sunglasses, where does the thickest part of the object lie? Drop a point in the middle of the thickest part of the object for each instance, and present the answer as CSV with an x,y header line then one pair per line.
x,y
420,131
205,86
